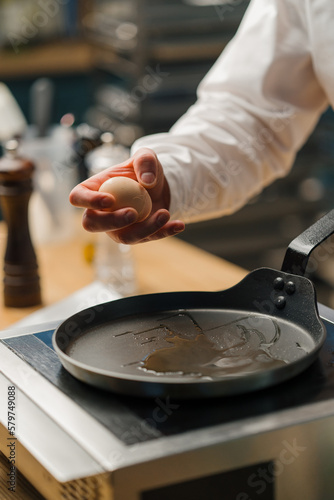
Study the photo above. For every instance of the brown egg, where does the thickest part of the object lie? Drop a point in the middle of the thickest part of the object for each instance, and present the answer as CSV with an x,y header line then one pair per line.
x,y
128,193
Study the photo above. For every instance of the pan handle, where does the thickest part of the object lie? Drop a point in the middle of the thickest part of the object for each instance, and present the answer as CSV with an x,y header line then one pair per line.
x,y
299,250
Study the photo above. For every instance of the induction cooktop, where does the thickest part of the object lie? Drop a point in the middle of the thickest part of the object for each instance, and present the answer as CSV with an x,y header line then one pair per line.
x,y
118,413
132,447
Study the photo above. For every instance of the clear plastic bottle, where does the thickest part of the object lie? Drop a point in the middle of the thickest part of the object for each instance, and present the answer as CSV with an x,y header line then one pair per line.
x,y
114,264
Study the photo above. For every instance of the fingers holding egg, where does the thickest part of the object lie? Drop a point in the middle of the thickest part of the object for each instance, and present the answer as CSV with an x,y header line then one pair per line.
x,y
128,193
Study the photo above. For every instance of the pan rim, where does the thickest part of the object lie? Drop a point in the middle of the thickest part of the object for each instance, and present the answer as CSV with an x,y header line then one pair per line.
x,y
189,386
162,378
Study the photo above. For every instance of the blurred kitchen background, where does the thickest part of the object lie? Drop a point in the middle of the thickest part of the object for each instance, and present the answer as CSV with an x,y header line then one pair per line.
x,y
131,68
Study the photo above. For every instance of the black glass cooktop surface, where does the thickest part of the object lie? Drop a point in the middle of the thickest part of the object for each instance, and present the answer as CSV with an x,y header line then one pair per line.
x,y
135,420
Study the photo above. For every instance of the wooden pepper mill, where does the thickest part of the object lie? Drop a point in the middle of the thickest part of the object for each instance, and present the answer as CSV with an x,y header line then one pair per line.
x,y
21,279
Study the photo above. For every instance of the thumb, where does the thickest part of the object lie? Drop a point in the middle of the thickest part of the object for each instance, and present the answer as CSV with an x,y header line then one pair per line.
x,y
146,167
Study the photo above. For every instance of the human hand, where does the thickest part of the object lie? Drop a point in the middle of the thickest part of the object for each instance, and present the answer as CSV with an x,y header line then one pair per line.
x,y
121,224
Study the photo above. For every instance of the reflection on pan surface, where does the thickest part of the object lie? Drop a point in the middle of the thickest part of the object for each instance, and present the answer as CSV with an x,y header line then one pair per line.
x,y
191,344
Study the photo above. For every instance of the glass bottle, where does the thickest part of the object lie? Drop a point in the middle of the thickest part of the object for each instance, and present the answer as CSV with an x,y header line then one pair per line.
x,y
114,264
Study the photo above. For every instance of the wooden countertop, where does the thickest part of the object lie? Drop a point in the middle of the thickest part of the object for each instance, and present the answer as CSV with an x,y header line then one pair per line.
x,y
161,266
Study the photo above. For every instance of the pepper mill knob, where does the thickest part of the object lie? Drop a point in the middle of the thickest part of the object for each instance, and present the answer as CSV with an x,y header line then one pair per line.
x,y
21,279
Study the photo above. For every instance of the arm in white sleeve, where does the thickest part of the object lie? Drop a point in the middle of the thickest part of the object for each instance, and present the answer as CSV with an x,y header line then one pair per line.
x,y
255,109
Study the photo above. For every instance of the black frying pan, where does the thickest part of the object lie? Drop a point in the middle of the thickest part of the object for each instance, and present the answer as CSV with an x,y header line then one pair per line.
x,y
262,331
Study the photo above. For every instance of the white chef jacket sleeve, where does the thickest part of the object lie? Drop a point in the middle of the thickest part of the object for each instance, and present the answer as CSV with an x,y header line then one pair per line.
x,y
255,109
